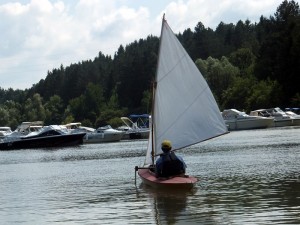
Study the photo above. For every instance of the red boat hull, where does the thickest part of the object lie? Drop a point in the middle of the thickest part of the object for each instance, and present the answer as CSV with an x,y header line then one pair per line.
x,y
150,179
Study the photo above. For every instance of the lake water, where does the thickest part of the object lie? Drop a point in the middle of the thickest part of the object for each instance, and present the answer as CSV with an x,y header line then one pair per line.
x,y
245,177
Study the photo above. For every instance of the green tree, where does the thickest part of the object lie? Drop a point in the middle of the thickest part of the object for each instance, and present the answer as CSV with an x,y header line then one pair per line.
x,y
4,117
88,105
296,99
137,70
111,114
243,59
219,74
54,110
249,94
146,102
34,109
204,42
235,96
264,94
279,53
75,109
14,110
113,102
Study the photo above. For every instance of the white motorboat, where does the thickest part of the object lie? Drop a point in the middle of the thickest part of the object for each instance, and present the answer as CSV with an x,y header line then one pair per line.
x,y
5,131
103,134
295,117
281,119
26,128
237,120
135,126
294,110
76,127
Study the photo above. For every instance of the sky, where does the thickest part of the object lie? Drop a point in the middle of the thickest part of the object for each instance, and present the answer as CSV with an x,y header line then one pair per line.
x,y
40,35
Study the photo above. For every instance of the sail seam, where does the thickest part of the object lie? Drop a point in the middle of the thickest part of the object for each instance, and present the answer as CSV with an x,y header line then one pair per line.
x,y
173,68
186,109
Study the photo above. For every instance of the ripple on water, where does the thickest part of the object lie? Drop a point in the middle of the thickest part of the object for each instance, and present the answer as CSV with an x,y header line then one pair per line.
x,y
245,177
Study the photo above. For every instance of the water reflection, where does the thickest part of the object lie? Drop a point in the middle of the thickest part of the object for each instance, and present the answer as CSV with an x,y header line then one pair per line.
x,y
169,206
249,200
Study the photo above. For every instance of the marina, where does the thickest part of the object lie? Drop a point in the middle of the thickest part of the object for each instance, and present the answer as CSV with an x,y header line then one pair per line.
x,y
245,177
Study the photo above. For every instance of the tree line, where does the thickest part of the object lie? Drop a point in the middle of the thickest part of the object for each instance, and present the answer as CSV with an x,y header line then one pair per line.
x,y
247,66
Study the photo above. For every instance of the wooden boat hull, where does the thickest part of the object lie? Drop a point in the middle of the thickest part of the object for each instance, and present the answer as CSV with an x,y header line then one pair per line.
x,y
182,182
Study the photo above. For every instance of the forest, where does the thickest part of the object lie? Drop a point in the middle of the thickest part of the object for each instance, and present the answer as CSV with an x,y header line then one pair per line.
x,y
247,66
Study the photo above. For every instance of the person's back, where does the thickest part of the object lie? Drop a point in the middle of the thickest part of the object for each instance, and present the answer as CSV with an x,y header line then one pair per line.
x,y
169,164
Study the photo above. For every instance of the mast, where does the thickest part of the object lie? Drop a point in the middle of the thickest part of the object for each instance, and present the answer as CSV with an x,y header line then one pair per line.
x,y
152,123
154,90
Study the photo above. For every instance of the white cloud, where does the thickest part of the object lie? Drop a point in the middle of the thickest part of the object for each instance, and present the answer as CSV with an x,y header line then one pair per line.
x,y
40,35
186,14
44,35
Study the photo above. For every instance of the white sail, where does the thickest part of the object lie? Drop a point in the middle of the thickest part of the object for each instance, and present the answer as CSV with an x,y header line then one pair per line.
x,y
185,111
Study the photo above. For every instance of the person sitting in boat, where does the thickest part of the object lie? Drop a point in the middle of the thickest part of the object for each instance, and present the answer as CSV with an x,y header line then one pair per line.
x,y
169,164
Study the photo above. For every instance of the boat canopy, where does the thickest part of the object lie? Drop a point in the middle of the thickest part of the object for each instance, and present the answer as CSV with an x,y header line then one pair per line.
x,y
292,108
139,116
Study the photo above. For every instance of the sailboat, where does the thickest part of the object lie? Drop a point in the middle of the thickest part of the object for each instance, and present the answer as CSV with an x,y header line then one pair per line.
x,y
184,110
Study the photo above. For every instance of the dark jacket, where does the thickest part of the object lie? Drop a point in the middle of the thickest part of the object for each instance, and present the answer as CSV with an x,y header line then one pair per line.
x,y
168,164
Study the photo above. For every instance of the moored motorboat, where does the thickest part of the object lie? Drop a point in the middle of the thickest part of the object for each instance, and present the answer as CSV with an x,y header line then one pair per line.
x,y
5,131
76,127
295,117
281,119
135,126
45,137
237,120
294,110
103,134
26,128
